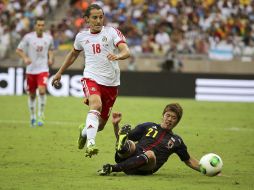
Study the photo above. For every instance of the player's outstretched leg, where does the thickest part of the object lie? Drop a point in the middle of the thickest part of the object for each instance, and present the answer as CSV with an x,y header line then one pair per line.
x,y
123,137
106,170
81,138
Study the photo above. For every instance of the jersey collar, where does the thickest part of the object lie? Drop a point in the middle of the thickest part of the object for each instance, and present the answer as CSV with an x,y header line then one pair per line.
x,y
96,32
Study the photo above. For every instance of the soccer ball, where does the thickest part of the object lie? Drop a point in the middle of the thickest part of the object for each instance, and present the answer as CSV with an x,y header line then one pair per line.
x,y
210,164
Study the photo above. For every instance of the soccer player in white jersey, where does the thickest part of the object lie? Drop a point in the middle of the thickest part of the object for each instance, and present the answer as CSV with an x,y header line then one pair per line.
x,y
36,51
102,47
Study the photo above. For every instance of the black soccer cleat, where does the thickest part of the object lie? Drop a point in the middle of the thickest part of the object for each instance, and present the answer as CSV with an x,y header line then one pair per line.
x,y
106,170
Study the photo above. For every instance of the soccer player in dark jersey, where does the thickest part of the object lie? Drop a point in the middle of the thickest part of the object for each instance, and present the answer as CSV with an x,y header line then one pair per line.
x,y
144,150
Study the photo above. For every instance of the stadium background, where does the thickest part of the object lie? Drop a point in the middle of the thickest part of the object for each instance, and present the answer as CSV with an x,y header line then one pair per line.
x,y
191,36
169,39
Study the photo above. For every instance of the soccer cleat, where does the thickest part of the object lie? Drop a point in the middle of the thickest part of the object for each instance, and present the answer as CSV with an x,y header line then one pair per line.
x,y
33,123
91,150
122,137
106,170
81,139
40,122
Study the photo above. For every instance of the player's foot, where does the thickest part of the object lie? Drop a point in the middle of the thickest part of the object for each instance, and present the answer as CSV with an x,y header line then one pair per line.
x,y
40,122
123,137
33,123
81,139
91,150
106,170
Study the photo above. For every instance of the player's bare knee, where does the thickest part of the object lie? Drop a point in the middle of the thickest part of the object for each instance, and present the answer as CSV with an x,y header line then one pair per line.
x,y
42,93
42,90
95,103
95,106
32,95
131,150
151,156
132,146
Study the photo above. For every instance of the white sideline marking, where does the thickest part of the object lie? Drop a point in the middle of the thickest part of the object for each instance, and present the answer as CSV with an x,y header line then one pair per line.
x,y
46,122
234,129
239,129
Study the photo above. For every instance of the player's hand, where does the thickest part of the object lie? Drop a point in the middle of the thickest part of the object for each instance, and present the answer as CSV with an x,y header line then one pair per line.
x,y
116,118
112,57
56,81
27,61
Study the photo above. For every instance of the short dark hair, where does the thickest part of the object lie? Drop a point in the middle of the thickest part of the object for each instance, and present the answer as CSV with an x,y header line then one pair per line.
x,y
39,19
176,108
92,6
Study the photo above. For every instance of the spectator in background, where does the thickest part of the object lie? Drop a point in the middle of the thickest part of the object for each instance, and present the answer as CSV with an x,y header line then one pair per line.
x,y
248,50
162,39
19,17
52,5
5,41
194,20
172,61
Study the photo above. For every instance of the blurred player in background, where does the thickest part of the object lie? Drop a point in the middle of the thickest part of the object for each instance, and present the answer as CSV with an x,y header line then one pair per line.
x,y
36,51
154,145
102,47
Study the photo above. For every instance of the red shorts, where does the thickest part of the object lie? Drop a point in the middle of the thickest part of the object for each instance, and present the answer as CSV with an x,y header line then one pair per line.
x,y
108,95
35,80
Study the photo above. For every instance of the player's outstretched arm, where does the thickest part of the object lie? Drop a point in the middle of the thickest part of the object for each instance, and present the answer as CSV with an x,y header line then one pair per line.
x,y
193,163
116,118
69,60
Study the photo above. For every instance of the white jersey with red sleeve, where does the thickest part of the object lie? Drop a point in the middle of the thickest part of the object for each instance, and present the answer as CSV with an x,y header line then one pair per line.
x,y
36,48
96,47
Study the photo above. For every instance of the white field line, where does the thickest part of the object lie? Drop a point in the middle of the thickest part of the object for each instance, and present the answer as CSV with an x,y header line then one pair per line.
x,y
46,122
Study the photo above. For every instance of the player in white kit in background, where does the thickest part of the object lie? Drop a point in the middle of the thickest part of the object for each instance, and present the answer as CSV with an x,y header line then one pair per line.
x,y
102,47
36,51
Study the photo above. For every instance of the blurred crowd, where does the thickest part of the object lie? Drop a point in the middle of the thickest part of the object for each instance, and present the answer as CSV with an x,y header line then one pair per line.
x,y
17,17
161,27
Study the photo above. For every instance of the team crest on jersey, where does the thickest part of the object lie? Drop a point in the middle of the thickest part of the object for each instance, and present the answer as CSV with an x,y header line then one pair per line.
x,y
171,143
104,39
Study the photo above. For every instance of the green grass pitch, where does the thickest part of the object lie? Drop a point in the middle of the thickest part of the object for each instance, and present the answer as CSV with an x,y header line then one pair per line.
x,y
48,158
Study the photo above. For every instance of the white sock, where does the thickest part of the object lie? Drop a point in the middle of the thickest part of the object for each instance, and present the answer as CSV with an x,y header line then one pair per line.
x,y
41,104
92,124
32,107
